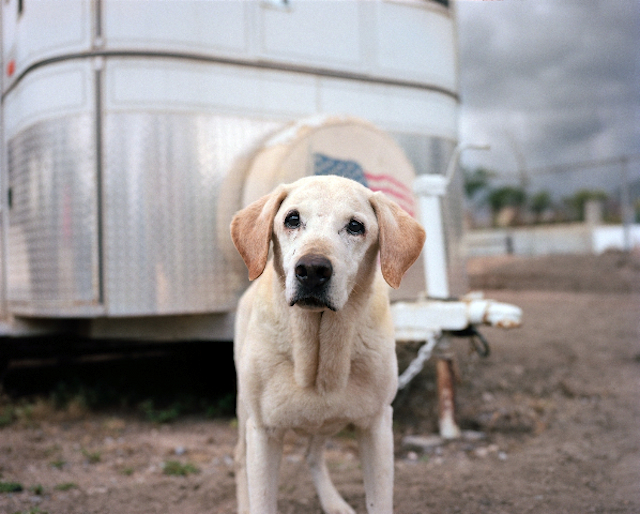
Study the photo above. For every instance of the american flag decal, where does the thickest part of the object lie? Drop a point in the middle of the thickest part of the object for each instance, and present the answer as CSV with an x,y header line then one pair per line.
x,y
392,187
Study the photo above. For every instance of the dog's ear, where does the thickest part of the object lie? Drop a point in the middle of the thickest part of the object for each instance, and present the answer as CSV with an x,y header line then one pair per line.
x,y
252,228
401,238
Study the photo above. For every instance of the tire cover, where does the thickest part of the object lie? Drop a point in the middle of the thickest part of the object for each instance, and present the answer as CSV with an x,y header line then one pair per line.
x,y
342,146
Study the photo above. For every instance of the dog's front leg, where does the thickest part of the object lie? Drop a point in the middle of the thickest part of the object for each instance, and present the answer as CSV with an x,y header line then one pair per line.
x,y
264,449
376,453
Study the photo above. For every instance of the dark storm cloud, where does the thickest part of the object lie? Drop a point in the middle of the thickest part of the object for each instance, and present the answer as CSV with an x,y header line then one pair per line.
x,y
557,81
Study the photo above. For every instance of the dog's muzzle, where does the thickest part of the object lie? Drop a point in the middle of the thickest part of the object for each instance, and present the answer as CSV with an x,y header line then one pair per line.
x,y
313,274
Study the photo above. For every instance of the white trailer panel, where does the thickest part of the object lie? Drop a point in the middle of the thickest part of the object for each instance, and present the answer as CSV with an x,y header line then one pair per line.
x,y
406,50
171,85
202,27
38,30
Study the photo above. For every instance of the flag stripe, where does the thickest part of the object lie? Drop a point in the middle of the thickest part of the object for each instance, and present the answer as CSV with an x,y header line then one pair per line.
x,y
325,165
392,186
389,178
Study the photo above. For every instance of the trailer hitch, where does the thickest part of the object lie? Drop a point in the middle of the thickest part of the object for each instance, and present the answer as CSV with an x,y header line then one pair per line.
x,y
436,316
436,321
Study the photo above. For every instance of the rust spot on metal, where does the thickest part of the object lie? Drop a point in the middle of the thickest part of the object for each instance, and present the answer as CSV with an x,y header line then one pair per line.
x,y
446,394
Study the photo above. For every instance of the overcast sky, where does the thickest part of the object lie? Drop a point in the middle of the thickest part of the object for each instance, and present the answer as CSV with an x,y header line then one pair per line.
x,y
557,81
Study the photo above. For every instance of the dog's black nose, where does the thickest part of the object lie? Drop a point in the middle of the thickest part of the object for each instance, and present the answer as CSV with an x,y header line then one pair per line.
x,y
313,271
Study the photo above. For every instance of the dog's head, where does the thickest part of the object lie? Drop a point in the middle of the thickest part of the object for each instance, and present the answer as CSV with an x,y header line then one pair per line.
x,y
326,233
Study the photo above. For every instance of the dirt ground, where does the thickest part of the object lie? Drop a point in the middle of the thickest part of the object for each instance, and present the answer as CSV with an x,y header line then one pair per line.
x,y
552,418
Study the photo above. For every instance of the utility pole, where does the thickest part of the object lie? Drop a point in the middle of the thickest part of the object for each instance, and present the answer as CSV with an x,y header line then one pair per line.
x,y
626,212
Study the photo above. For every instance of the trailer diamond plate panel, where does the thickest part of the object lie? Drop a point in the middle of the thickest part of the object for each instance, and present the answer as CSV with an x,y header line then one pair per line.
x,y
53,263
163,181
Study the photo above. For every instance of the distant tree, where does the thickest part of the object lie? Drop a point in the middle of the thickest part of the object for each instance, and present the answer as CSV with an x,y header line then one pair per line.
x,y
539,203
476,181
577,201
507,196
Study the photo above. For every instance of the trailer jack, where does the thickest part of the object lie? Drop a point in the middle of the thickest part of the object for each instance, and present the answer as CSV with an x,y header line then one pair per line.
x,y
437,318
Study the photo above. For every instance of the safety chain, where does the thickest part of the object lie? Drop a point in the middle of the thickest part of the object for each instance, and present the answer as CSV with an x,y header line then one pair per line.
x,y
416,365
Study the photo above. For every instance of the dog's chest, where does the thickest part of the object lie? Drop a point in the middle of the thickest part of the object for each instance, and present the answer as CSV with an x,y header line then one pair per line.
x,y
369,387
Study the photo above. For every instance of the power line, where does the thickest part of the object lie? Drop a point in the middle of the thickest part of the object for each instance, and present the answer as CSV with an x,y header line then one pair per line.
x,y
576,166
595,163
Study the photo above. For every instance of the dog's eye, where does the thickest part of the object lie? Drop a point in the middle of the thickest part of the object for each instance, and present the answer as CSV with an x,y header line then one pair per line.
x,y
355,228
292,220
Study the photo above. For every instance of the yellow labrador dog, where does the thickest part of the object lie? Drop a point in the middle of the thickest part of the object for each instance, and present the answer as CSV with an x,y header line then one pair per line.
x,y
314,341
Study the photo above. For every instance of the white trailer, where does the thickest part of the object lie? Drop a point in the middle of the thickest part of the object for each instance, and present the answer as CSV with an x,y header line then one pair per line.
x,y
132,131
